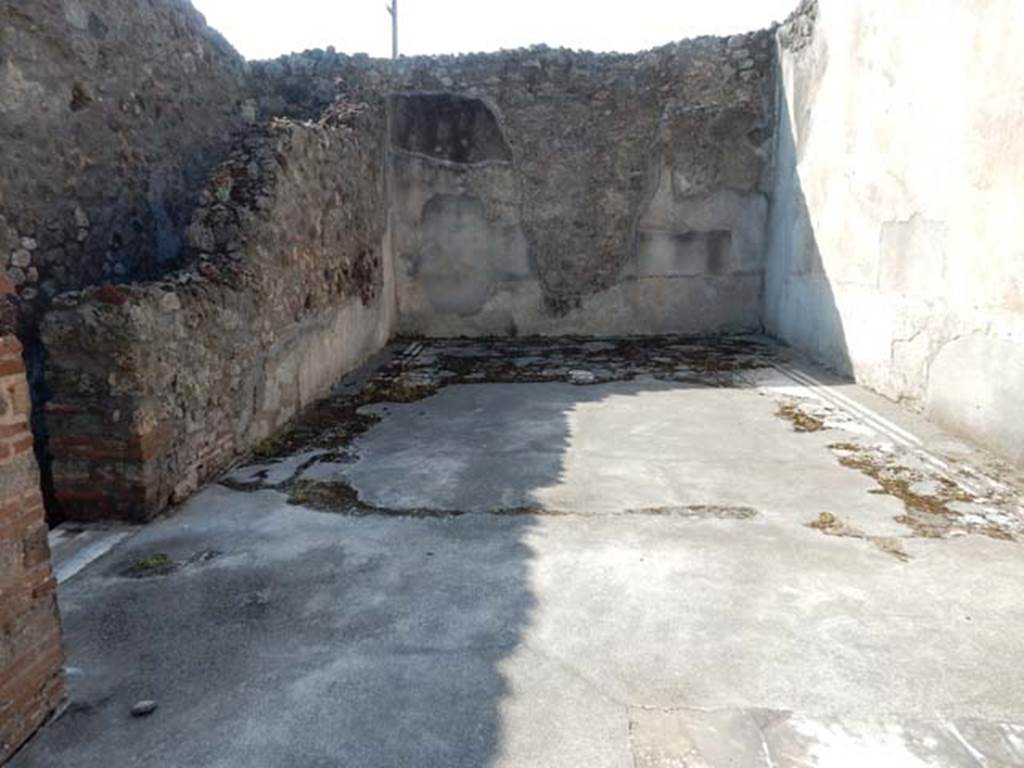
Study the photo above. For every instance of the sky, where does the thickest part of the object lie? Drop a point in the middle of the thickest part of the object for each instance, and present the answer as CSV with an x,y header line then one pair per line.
x,y
262,29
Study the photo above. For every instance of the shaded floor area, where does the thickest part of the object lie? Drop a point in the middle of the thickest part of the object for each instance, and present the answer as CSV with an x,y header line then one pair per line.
x,y
648,553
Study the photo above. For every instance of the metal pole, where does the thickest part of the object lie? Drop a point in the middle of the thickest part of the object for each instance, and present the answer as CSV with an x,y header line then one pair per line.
x,y
393,10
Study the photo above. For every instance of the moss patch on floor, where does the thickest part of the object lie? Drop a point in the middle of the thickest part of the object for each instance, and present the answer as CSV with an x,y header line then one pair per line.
x,y
831,525
800,419
928,513
157,564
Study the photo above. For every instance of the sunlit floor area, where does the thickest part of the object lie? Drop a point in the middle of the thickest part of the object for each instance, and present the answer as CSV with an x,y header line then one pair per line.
x,y
649,553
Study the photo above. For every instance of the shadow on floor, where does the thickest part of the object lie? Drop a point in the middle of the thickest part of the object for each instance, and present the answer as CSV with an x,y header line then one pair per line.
x,y
409,629
275,635
271,634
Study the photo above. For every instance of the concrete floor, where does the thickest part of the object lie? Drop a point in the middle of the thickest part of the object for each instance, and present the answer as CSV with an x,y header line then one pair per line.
x,y
685,558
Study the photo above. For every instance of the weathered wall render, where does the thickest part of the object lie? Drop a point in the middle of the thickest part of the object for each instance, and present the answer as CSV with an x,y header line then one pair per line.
x,y
549,191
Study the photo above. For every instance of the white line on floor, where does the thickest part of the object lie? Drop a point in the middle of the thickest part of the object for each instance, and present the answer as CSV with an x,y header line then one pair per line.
x,y
894,432
95,543
877,422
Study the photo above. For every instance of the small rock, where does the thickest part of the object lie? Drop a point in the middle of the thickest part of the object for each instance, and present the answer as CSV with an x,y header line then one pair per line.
x,y
581,377
81,218
925,488
54,256
144,708
170,302
249,111
21,258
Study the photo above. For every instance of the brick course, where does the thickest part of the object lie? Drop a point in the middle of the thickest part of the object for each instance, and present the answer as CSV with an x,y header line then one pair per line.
x,y
31,684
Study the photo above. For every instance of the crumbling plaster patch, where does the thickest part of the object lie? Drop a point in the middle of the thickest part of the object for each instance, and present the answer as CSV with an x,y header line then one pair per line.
x,y
586,134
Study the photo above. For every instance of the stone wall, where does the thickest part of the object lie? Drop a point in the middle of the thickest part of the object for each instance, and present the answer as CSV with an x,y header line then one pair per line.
x,y
895,251
112,114
538,191
31,685
549,191
158,386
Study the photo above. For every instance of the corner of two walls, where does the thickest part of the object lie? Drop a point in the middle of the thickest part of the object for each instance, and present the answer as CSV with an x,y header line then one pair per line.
x,y
159,386
554,192
895,234
537,191
851,193
112,115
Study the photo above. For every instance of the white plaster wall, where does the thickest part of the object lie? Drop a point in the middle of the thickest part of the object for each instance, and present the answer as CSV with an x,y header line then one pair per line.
x,y
459,274
896,237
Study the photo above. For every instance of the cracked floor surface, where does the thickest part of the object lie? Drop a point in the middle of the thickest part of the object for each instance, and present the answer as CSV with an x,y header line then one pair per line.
x,y
567,553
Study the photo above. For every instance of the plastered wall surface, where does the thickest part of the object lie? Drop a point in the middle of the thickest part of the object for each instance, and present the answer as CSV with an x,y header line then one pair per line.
x,y
550,191
895,248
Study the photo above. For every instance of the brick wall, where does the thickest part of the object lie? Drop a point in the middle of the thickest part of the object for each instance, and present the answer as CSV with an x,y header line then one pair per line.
x,y
31,685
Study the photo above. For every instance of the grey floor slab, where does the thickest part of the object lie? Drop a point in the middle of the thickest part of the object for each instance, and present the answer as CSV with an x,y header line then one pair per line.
x,y
629,573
